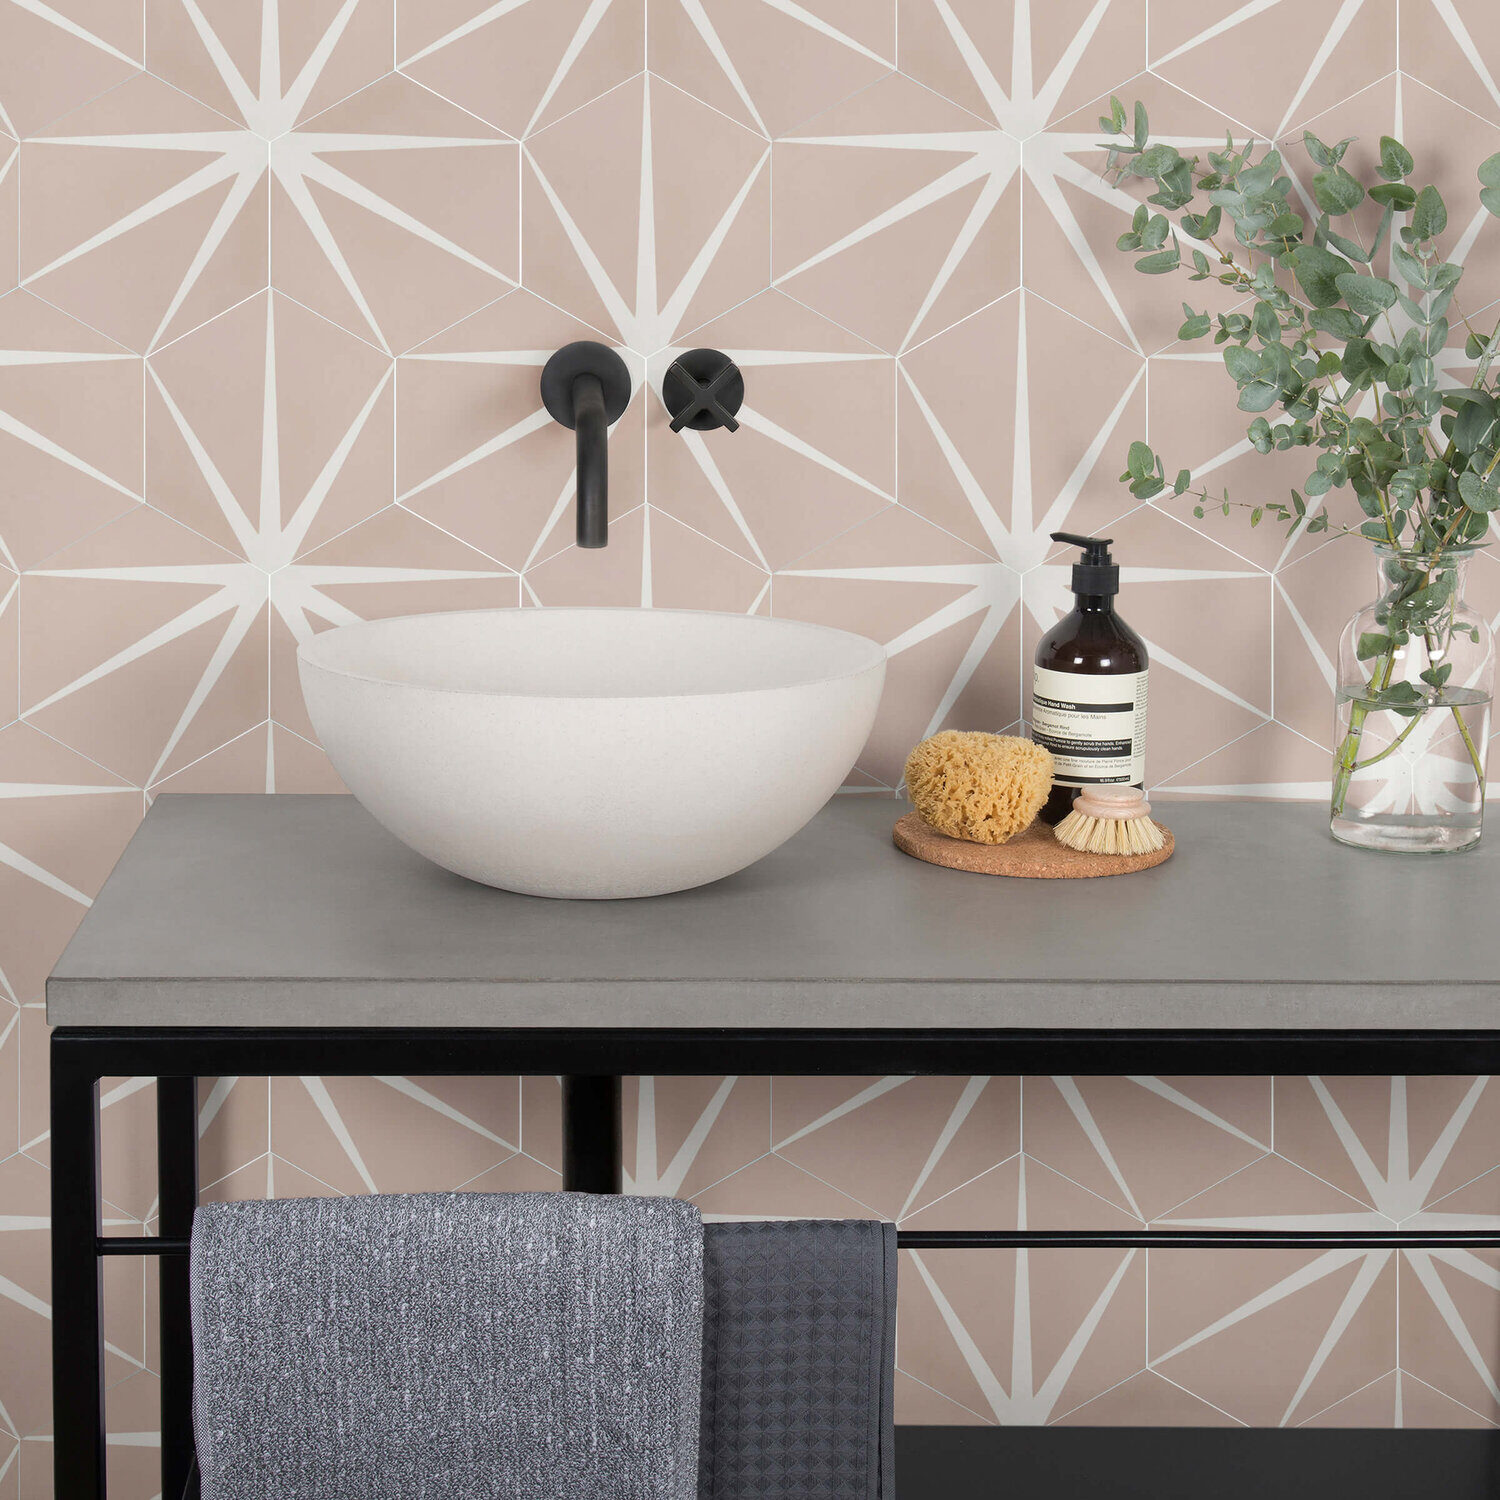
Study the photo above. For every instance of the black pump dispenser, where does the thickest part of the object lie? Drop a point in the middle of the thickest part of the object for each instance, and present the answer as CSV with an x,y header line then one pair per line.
x,y
1097,573
1088,691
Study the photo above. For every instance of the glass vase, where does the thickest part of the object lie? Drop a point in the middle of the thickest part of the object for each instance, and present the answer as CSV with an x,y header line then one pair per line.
x,y
1415,678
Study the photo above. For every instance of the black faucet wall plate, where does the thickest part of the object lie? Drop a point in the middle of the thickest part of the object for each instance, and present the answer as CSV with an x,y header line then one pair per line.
x,y
585,358
586,386
703,389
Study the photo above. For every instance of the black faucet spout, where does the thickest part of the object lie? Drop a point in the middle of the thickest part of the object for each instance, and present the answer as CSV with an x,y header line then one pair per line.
x,y
586,386
591,434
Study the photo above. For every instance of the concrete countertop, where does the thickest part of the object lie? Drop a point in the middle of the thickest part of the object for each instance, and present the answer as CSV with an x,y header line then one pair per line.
x,y
259,911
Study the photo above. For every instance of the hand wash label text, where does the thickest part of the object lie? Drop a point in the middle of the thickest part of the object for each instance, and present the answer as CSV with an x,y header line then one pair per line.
x,y
1095,726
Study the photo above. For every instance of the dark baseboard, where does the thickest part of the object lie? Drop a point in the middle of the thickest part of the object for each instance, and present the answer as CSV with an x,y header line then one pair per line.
x,y
1195,1463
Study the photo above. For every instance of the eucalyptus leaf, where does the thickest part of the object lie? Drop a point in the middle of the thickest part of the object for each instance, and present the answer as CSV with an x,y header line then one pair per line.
x,y
1395,160
1325,156
1202,227
1140,460
1244,364
1337,191
1159,263
1489,170
1400,698
1366,295
1345,246
1259,395
1156,160
1473,426
1425,602
1479,494
1361,363
1429,217
1397,195
1411,270
1317,271
1412,308
1253,181
1195,324
1338,321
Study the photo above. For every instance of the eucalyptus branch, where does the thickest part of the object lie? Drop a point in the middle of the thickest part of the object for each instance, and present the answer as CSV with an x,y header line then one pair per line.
x,y
1300,361
1412,492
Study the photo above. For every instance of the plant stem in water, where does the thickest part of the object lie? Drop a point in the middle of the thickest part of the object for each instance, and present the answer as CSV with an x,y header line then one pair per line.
x,y
1359,711
1395,744
1469,745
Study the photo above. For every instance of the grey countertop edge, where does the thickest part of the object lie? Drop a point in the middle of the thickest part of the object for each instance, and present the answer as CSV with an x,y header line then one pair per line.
x,y
892,1004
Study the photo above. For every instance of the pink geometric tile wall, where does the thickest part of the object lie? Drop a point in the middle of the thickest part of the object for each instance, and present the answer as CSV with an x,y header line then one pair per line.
x,y
276,281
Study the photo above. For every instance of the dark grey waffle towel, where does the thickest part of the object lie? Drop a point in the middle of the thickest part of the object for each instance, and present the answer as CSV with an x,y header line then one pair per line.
x,y
799,1361
442,1346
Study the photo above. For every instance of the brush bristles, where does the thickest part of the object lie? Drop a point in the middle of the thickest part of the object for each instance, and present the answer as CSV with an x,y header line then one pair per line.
x,y
1138,835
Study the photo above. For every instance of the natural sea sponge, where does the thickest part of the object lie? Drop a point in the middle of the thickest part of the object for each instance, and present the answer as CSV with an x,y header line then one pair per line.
x,y
982,787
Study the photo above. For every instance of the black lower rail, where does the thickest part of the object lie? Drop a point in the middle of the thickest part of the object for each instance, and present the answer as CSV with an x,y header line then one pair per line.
x,y
1068,1239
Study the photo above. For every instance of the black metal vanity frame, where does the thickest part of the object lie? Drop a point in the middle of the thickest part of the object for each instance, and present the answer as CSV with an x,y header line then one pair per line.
x,y
592,1062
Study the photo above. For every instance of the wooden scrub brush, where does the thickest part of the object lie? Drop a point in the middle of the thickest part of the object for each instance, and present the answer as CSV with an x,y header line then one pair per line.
x,y
984,788
1110,820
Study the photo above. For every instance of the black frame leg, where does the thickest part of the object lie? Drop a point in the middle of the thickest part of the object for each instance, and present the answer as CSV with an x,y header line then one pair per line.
x,y
177,1197
77,1283
591,1133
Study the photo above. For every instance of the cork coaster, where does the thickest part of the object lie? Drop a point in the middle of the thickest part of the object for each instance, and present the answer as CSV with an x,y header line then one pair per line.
x,y
1032,855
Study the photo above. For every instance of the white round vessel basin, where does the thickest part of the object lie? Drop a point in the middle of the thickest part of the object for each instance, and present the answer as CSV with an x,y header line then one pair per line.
x,y
591,752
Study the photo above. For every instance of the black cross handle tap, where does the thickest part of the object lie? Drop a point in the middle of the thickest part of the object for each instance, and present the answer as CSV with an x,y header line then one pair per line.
x,y
703,389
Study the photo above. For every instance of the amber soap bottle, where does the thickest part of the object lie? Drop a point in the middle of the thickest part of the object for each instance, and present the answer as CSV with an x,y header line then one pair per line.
x,y
1088,687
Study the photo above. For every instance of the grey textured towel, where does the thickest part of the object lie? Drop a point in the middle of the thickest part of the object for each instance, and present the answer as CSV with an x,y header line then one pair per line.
x,y
799,1361
511,1346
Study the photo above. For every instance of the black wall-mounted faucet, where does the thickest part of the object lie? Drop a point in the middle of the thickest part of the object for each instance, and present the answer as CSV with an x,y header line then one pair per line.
x,y
586,386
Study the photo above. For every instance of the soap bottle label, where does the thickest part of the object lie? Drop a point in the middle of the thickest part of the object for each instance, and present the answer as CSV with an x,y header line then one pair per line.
x,y
1095,726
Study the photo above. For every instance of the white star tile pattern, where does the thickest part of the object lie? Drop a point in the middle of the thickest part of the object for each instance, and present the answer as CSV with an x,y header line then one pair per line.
x,y
276,282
